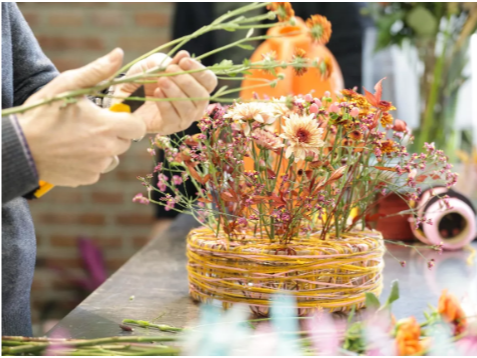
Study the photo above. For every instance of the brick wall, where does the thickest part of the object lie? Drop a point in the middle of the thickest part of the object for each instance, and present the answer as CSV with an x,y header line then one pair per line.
x,y
73,34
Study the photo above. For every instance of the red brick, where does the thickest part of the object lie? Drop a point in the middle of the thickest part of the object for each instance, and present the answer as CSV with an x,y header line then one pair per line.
x,y
66,219
62,219
65,19
32,18
108,19
134,219
92,219
108,242
63,263
116,263
70,43
64,64
107,198
129,175
152,19
140,241
141,43
64,197
63,240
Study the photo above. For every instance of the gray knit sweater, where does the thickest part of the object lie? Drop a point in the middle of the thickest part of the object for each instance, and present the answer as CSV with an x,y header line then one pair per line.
x,y
25,69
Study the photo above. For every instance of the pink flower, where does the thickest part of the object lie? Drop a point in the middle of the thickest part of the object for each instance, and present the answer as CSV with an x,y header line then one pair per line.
x,y
318,102
334,108
176,180
314,108
139,198
327,94
354,112
151,152
158,168
308,97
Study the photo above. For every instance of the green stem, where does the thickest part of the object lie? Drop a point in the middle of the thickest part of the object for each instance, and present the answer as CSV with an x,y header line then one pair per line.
x,y
429,114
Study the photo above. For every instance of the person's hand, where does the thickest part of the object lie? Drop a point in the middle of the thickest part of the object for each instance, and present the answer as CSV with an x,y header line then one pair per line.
x,y
170,117
72,144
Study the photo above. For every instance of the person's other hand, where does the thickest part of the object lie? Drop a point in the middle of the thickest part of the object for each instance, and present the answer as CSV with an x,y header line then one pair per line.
x,y
170,117
72,144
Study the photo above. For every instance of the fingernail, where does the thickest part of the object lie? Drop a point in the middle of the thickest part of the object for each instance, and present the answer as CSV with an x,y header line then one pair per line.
x,y
165,83
185,64
115,55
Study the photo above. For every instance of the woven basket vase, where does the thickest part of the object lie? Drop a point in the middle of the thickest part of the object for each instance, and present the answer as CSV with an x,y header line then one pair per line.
x,y
333,274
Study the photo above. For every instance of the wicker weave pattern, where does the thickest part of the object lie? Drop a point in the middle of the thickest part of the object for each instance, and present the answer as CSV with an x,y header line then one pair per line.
x,y
332,274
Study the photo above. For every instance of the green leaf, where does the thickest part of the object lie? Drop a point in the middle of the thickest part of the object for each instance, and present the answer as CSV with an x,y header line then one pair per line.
x,y
422,21
394,295
220,90
246,47
372,302
351,313
249,33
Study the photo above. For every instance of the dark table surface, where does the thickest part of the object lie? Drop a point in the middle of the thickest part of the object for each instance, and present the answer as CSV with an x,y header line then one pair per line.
x,y
152,286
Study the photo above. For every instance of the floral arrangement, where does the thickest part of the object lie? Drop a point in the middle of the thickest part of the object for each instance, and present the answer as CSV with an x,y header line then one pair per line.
x,y
447,330
293,166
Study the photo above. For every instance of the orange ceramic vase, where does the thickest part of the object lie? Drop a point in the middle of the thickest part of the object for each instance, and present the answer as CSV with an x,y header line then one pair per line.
x,y
313,79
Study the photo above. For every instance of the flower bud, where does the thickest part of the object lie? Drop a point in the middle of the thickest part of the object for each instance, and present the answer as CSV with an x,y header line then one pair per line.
x,y
314,108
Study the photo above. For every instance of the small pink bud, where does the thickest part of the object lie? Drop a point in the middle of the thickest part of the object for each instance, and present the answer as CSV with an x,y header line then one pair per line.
x,y
334,108
308,97
403,263
354,112
327,94
314,108
318,102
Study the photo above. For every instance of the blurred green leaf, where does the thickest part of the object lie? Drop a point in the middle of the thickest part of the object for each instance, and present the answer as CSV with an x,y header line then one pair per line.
x,y
394,295
246,47
372,302
422,21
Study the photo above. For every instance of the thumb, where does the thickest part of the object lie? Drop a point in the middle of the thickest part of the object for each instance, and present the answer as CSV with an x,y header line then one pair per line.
x,y
89,75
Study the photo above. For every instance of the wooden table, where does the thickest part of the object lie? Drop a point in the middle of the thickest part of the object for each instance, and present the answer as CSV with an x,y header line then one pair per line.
x,y
152,286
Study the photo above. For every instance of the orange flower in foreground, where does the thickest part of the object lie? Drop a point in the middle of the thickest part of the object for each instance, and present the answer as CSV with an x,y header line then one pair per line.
x,y
451,311
407,337
284,10
320,29
300,60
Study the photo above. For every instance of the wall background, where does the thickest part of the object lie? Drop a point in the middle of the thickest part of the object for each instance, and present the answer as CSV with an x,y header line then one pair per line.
x,y
71,35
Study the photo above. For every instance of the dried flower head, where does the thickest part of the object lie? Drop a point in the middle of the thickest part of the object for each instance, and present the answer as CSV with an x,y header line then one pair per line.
x,y
283,10
386,119
320,29
299,61
266,139
250,111
303,135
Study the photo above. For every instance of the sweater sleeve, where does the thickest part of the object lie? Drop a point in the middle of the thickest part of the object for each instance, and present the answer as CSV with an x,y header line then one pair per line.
x,y
31,71
19,175
31,68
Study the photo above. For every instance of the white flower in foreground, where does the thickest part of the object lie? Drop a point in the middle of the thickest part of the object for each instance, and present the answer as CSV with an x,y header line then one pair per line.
x,y
303,135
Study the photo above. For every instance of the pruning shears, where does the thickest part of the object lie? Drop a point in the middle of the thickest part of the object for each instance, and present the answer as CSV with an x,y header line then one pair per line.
x,y
128,106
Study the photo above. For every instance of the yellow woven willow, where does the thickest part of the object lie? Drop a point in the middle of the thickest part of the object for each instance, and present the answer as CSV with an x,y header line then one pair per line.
x,y
333,274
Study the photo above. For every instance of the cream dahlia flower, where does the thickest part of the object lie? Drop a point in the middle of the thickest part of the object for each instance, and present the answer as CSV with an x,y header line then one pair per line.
x,y
303,136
